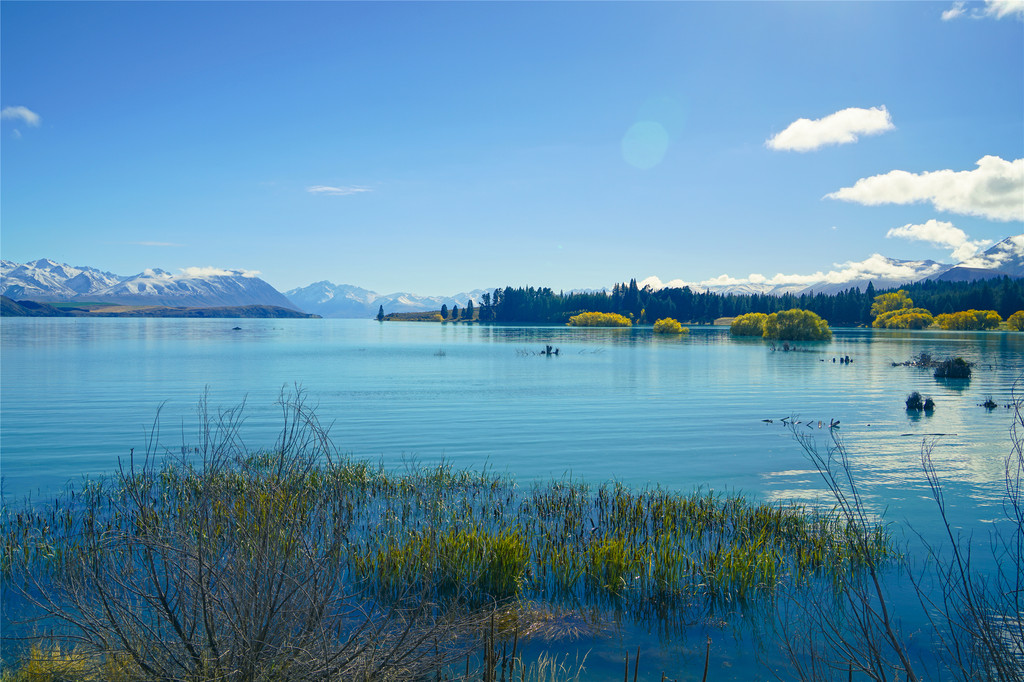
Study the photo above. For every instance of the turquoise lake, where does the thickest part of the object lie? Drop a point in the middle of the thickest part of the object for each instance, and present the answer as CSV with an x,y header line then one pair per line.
x,y
623,405
614,404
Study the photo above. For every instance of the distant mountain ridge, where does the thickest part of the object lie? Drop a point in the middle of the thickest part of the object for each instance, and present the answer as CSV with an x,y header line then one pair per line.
x,y
1003,258
345,300
47,280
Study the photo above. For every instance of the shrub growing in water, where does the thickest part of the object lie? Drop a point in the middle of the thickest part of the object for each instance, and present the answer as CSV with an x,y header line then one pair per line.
x,y
751,324
955,368
668,325
916,403
796,325
599,320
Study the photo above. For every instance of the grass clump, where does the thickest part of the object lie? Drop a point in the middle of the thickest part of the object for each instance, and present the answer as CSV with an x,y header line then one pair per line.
x,y
297,563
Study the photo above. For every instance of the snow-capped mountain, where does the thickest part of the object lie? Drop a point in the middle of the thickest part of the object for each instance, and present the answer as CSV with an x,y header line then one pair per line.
x,y
1004,258
345,300
47,280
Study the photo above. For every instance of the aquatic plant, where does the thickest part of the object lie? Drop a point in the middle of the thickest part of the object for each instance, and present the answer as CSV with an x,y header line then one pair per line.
x,y
296,562
953,368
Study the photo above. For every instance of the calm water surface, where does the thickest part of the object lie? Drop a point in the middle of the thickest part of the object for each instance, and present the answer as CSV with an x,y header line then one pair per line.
x,y
75,395
614,404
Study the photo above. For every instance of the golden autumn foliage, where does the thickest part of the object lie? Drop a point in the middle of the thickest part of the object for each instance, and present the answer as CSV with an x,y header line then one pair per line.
x,y
796,325
599,320
904,318
751,324
886,303
969,320
668,325
1016,321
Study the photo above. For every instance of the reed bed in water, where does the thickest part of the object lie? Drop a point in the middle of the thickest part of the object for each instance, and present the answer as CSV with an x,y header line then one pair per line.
x,y
317,552
449,529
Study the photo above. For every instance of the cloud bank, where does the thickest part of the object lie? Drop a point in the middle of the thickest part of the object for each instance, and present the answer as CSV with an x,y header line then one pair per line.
x,y
994,190
21,113
335,191
842,127
996,9
940,233
874,267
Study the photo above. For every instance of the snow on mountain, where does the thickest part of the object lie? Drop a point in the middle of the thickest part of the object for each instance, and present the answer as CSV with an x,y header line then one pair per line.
x,y
883,272
47,280
345,300
1004,258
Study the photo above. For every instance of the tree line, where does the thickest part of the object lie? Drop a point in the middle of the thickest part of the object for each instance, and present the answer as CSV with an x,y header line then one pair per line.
x,y
848,308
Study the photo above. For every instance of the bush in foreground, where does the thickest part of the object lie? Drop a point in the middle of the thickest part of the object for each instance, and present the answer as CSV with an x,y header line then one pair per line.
x,y
599,320
669,325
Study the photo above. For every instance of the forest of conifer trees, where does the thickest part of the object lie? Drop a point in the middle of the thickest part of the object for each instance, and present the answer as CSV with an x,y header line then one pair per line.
x,y
847,308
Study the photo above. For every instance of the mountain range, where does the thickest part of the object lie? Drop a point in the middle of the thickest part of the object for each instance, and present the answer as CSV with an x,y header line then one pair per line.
x,y
46,280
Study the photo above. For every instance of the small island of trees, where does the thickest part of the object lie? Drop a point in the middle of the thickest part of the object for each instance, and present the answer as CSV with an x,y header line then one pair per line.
x,y
599,320
787,325
667,325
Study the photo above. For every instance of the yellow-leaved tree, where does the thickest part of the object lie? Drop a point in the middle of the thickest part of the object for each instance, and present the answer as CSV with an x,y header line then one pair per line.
x,y
796,325
1016,321
668,325
887,303
750,324
599,320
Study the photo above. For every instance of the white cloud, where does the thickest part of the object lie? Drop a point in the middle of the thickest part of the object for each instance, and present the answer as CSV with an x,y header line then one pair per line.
x,y
873,267
23,113
335,191
218,272
997,9
842,127
941,233
1004,8
953,12
994,190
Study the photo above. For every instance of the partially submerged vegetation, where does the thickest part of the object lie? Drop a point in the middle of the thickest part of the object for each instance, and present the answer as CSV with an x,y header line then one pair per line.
x,y
296,563
787,325
593,319
667,325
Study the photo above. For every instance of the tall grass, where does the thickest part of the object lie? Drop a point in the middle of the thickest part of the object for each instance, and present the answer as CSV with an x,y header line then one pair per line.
x,y
218,563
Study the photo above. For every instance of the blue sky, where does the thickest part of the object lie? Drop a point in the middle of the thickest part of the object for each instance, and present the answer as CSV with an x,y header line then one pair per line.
x,y
437,148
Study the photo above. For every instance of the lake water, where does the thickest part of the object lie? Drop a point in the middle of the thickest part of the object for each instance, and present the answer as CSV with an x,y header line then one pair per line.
x,y
77,394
